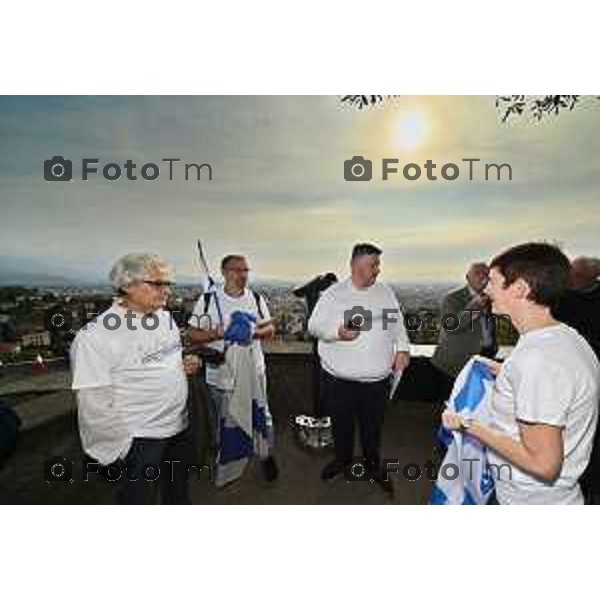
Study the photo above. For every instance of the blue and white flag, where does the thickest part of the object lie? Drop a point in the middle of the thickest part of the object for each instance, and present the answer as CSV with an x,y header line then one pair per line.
x,y
246,423
464,476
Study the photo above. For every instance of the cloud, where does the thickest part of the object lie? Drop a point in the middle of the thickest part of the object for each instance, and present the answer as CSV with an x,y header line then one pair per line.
x,y
278,191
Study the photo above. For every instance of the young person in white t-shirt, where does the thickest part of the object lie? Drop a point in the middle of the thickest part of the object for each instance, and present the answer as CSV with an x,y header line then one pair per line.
x,y
131,387
208,323
544,405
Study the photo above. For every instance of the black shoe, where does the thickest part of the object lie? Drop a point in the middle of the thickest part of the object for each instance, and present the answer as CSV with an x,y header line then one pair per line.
x,y
384,482
386,485
270,471
331,470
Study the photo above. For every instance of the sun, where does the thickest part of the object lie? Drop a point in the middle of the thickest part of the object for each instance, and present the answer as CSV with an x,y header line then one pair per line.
x,y
411,130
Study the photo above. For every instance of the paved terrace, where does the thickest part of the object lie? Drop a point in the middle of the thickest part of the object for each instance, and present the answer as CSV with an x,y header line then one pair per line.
x,y
47,408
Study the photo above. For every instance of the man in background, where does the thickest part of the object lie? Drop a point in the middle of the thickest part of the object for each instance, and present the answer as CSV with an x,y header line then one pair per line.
x,y
471,330
580,308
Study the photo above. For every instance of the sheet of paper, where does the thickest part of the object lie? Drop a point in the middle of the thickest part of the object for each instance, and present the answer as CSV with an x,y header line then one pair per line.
x,y
397,376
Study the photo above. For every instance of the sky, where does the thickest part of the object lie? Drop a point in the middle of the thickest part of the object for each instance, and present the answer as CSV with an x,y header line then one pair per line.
x,y
278,193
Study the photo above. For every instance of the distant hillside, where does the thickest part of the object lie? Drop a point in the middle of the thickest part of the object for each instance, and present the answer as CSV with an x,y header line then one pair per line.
x,y
34,279
32,273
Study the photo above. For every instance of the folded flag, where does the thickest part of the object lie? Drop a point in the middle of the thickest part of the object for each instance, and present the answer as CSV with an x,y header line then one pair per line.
x,y
464,476
241,328
246,424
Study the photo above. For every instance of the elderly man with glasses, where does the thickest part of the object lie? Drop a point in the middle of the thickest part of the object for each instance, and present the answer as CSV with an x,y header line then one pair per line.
x,y
131,386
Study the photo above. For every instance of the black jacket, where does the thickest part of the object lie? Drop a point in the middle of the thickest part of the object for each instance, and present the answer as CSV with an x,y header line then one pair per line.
x,y
581,310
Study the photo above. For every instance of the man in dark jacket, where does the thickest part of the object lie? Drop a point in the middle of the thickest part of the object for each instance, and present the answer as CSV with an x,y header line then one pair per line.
x,y
474,333
580,308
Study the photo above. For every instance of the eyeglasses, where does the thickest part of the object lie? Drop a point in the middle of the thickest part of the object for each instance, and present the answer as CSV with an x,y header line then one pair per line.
x,y
158,284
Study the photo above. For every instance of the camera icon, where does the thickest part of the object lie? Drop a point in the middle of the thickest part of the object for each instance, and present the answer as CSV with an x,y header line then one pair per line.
x,y
359,470
358,168
58,318
58,168
358,319
58,468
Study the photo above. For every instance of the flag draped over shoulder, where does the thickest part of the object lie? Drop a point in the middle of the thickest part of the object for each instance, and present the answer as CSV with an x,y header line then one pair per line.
x,y
465,456
245,430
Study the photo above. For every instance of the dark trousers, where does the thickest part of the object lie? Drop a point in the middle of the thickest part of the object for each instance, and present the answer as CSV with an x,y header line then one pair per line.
x,y
138,484
439,385
590,480
350,401
493,500
440,388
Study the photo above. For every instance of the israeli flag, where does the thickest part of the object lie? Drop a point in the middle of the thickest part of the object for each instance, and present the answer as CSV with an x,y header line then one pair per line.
x,y
246,425
464,476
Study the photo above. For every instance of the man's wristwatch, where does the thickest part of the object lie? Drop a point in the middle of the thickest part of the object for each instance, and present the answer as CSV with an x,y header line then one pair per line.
x,y
465,424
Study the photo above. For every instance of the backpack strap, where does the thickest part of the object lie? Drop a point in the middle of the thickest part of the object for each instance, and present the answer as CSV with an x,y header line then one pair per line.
x,y
258,304
207,297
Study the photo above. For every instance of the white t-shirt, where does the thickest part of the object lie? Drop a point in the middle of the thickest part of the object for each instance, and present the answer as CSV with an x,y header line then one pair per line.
x,y
219,375
370,356
141,373
551,377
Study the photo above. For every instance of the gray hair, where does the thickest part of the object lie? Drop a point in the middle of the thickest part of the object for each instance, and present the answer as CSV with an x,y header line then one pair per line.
x,y
135,267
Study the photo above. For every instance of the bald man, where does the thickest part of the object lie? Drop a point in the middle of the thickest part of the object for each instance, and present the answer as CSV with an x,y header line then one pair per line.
x,y
471,332
585,272
580,307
